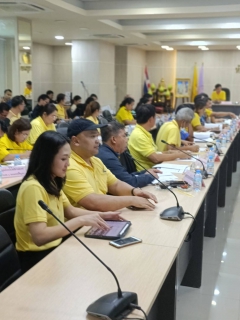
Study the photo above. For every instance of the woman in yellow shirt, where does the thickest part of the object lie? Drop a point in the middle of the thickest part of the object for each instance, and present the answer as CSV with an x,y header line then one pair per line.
x,y
37,232
218,95
61,111
124,114
45,122
92,112
14,142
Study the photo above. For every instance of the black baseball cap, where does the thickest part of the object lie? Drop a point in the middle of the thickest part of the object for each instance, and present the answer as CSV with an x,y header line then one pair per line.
x,y
79,125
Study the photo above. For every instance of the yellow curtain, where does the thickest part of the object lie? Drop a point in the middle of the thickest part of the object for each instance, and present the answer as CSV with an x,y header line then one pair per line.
x,y
195,82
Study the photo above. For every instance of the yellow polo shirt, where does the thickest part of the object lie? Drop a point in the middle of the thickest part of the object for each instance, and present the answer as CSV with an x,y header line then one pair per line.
x,y
219,97
169,132
208,112
60,112
29,211
6,143
195,121
124,114
83,179
13,117
94,120
38,127
141,146
27,92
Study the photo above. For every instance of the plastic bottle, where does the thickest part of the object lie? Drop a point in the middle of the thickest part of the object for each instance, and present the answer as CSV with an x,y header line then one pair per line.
x,y
210,165
197,182
0,174
211,152
17,160
228,136
224,140
129,129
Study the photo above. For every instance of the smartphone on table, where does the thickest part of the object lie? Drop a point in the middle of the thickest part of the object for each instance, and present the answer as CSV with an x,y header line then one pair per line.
x,y
125,242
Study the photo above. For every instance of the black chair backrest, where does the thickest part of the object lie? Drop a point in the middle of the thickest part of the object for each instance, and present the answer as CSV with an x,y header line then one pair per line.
x,y
102,120
10,268
63,124
228,94
107,115
7,211
127,162
63,131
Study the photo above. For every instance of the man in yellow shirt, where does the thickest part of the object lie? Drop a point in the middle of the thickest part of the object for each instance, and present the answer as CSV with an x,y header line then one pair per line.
x,y
18,106
124,114
141,144
216,114
88,180
218,95
170,132
28,89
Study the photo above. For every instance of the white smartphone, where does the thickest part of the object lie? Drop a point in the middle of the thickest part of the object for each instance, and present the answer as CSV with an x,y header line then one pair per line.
x,y
124,242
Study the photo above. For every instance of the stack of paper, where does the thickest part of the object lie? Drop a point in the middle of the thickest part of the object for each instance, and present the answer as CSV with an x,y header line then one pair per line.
x,y
168,170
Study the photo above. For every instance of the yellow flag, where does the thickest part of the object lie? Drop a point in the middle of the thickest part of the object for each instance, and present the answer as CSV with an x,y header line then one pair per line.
x,y
195,83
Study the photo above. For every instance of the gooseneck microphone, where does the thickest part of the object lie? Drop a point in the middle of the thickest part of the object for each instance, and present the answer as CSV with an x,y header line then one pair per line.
x,y
112,305
217,149
173,213
203,172
84,87
9,149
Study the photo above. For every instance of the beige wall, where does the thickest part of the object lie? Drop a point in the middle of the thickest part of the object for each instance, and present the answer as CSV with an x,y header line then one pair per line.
x,y
51,68
219,67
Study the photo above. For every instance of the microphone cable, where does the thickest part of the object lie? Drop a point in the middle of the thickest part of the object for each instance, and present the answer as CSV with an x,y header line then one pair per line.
x,y
135,306
193,227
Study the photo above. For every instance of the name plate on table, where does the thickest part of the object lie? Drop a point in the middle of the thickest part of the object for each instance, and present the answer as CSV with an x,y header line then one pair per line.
x,y
189,178
13,171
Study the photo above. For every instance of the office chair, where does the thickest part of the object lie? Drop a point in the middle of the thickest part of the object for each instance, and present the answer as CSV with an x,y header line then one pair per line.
x,y
62,124
7,211
62,130
228,94
127,162
107,115
10,268
102,120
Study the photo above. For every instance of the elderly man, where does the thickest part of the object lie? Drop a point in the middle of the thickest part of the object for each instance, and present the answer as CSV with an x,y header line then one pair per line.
x,y
170,132
88,181
115,140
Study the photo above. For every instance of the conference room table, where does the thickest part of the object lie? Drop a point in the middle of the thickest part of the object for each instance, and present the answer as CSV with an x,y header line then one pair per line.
x,y
69,279
227,107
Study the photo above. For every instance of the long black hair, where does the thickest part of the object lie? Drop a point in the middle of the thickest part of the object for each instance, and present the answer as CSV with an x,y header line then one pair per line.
x,y
127,100
41,160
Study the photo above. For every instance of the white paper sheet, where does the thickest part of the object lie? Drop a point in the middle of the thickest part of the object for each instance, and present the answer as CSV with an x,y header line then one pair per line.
x,y
174,168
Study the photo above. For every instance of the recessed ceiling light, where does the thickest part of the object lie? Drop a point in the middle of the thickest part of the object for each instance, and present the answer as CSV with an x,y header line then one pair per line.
x,y
68,43
164,47
230,25
238,47
205,49
169,49
214,303
26,48
234,36
198,43
59,37
216,292
83,28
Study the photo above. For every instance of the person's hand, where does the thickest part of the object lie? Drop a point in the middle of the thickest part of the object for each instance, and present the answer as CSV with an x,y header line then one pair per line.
x,y
186,143
194,148
143,203
182,155
154,172
111,215
26,154
94,220
144,194
232,115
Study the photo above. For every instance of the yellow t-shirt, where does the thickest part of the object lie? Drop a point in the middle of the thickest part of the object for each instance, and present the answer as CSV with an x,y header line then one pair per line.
x,y
169,132
83,179
124,114
27,92
208,112
141,146
29,211
60,112
94,120
220,97
195,121
13,117
6,143
38,127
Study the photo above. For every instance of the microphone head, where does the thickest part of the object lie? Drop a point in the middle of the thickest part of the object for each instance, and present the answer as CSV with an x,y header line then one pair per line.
x,y
42,205
163,141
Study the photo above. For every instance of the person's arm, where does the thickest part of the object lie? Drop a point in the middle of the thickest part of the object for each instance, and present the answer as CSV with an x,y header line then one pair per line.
x,y
223,114
189,147
42,234
127,122
157,158
11,156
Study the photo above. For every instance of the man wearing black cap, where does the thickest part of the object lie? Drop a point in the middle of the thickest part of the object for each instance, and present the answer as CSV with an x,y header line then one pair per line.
x,y
88,181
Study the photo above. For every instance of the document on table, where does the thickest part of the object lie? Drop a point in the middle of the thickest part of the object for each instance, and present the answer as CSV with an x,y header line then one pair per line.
x,y
165,176
171,168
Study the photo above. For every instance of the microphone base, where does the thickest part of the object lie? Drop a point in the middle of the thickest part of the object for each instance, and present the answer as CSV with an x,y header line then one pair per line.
x,y
204,174
173,213
111,307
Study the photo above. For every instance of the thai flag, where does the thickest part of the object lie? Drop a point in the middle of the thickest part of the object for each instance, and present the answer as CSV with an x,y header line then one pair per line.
x,y
146,81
